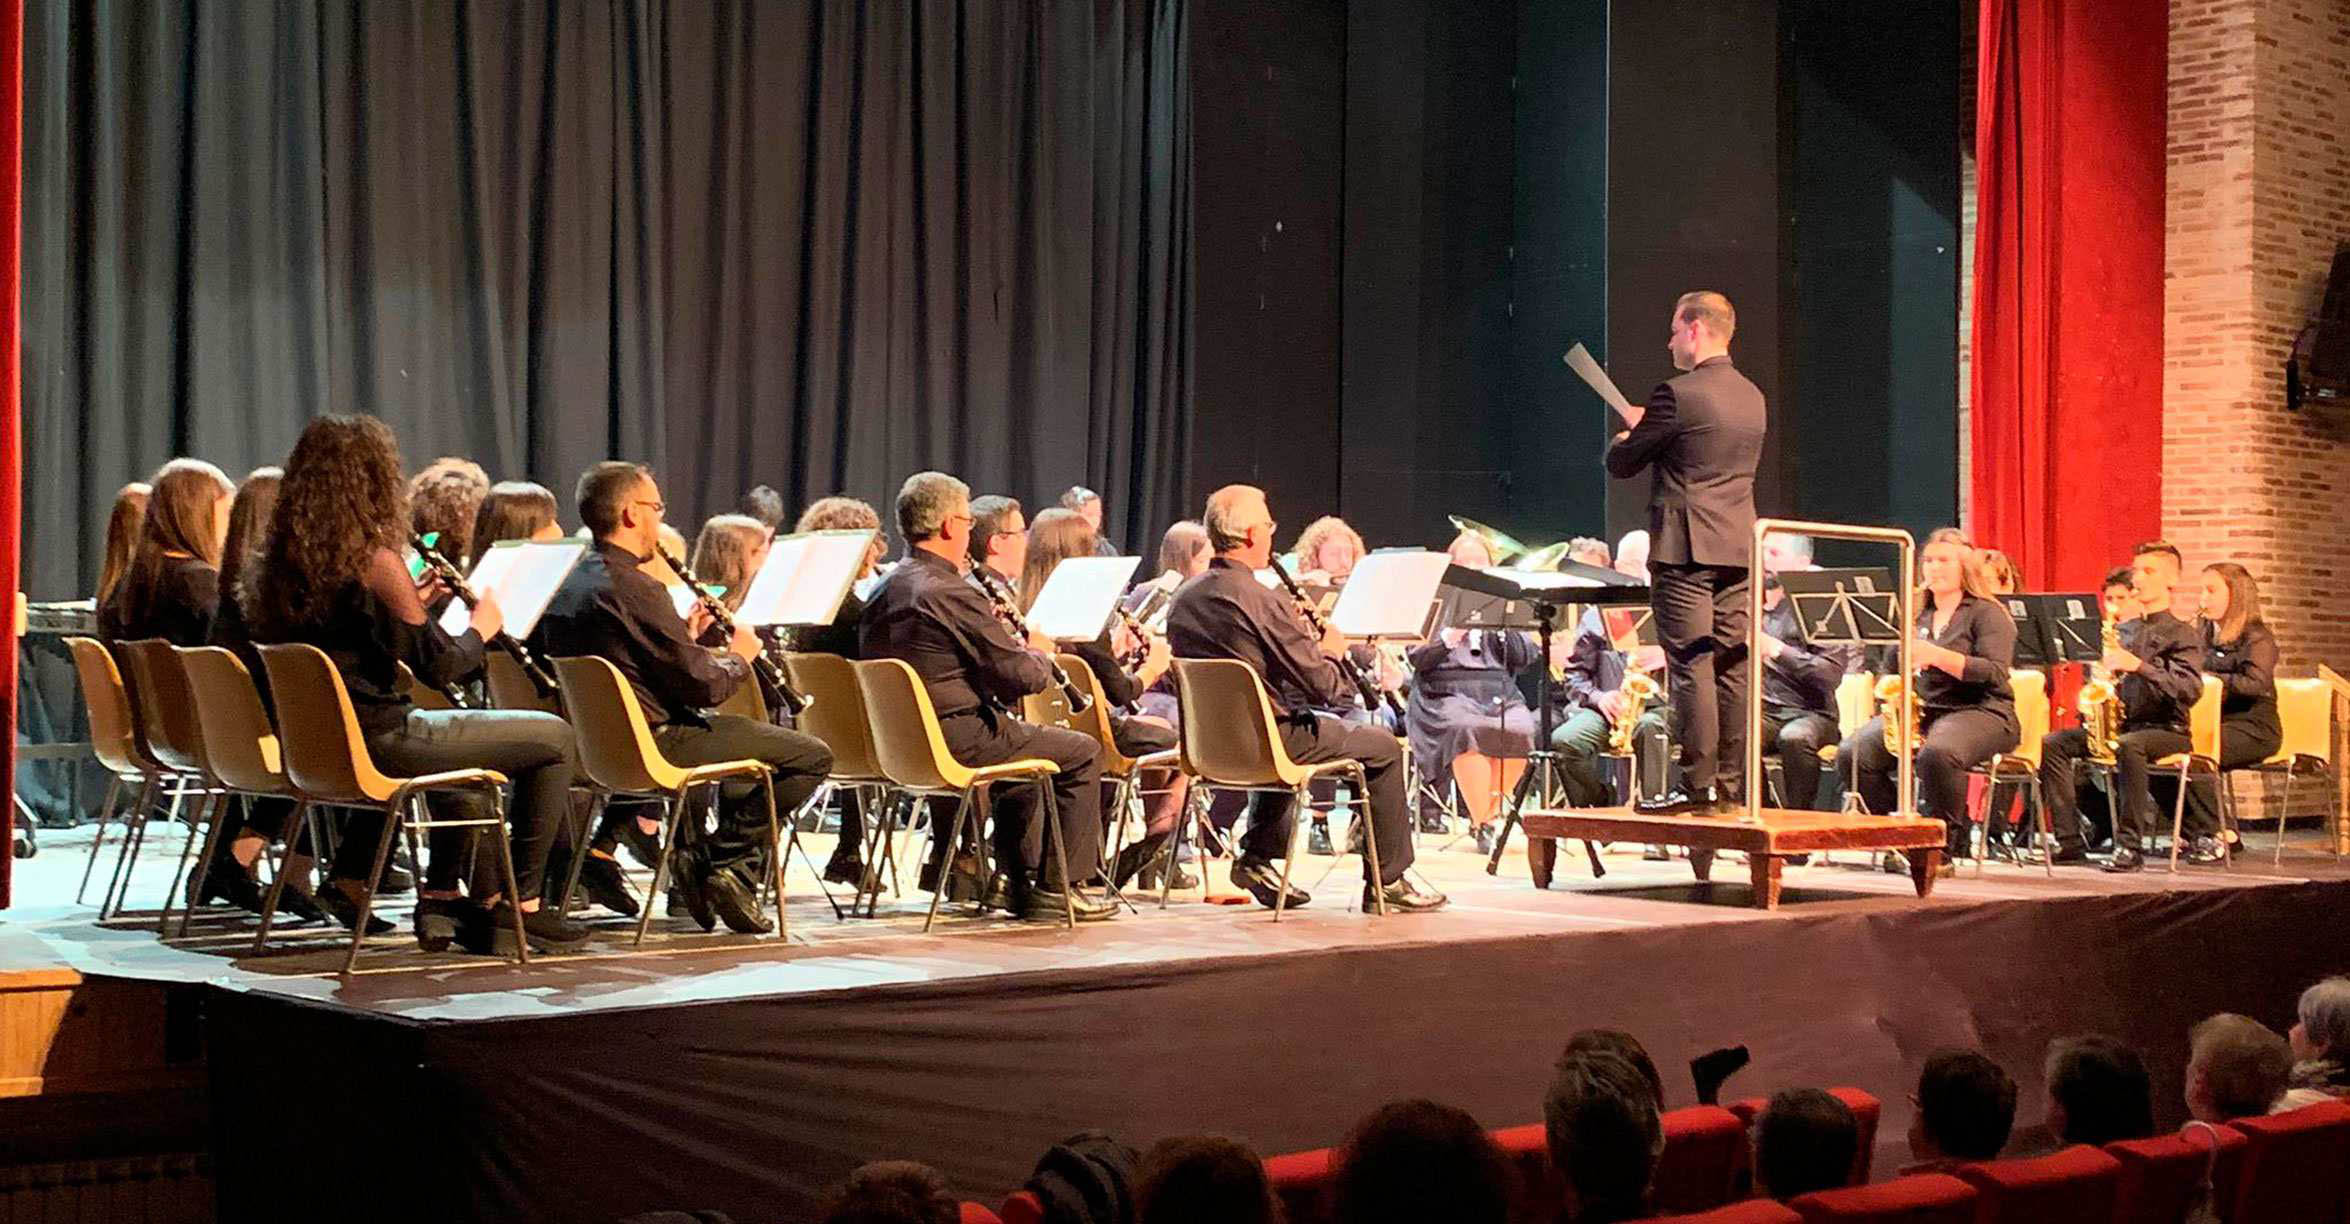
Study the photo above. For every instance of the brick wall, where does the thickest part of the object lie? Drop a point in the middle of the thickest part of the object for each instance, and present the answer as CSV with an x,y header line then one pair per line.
x,y
2258,199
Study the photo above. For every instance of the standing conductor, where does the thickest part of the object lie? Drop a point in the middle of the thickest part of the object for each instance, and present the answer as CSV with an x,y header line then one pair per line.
x,y
1703,433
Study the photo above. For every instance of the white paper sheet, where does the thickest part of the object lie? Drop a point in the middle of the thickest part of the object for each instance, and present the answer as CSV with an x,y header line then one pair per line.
x,y
522,575
805,578
1579,360
1389,593
1075,604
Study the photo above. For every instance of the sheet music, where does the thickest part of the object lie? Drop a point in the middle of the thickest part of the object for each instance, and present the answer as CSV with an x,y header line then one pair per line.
x,y
1388,594
805,578
1579,360
522,576
1076,601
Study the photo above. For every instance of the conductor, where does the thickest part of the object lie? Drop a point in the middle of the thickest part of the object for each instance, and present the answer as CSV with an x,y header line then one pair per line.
x,y
1702,432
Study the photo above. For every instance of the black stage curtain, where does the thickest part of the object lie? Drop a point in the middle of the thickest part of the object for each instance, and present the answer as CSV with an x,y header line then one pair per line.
x,y
815,245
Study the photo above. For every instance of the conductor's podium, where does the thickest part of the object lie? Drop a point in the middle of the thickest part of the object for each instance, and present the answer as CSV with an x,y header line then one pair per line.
x,y
1766,843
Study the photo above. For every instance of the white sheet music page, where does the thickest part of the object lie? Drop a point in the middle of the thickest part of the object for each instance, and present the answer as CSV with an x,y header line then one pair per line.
x,y
523,576
1388,593
805,577
1075,604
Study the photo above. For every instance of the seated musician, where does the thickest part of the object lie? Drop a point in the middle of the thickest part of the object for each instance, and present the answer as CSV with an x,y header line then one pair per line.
x,y
764,504
1057,535
1323,559
1966,712
1799,681
171,586
2240,649
928,613
444,499
330,575
2158,674
1584,550
846,865
1226,613
1466,713
512,510
610,606
122,535
2117,600
1183,555
1325,552
1589,690
1088,505
999,540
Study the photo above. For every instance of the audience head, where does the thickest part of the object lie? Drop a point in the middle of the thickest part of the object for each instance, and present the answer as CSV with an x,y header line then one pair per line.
x,y
934,513
2237,1067
2231,600
1965,1108
1805,1140
443,500
2116,599
1328,546
1184,549
1623,1045
122,534
248,526
620,504
1703,322
847,514
1203,1180
895,1192
1057,535
2098,1091
1085,502
1632,555
342,500
2321,1029
764,504
187,513
2154,571
1784,551
1418,1160
999,535
1586,551
514,510
1602,1124
728,553
1240,525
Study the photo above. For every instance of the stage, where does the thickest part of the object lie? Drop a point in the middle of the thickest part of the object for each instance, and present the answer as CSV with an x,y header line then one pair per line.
x,y
748,1076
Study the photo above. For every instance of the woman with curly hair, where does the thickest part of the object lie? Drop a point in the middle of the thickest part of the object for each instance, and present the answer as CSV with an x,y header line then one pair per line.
x,y
331,576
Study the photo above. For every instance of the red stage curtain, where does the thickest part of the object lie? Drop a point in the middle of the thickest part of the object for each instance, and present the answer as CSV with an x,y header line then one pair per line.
x,y
11,508
2067,361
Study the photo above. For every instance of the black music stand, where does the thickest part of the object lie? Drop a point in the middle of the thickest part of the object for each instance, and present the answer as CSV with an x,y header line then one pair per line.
x,y
2056,628
1844,607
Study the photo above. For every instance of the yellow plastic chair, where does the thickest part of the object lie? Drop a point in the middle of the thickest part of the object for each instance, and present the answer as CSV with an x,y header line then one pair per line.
x,y
836,717
326,757
1050,708
2305,708
2020,765
176,736
1223,749
511,688
243,750
2201,757
115,740
618,753
914,757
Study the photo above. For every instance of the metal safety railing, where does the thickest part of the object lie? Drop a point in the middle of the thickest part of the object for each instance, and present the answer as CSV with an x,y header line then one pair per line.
x,y
1897,737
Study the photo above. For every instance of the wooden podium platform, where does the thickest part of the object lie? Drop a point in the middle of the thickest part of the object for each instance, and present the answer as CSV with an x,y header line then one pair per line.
x,y
1766,845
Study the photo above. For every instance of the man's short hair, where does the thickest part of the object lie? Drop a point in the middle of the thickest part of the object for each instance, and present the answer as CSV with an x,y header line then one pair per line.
x,y
764,504
1223,508
1185,541
1805,1140
1203,1177
2324,1012
1967,1104
988,516
2117,578
924,502
1794,542
1076,496
603,492
1418,1160
2245,1066
2161,548
1621,1044
1709,308
2103,1087
1589,544
1601,1120
894,1192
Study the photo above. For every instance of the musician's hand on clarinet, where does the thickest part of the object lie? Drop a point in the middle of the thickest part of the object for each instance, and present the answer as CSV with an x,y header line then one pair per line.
x,y
1122,641
1333,642
744,644
697,621
1160,658
487,618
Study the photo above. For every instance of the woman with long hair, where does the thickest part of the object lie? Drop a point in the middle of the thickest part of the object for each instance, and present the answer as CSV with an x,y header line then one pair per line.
x,y
2240,649
1057,535
513,510
331,576
172,583
847,865
1964,645
728,552
122,534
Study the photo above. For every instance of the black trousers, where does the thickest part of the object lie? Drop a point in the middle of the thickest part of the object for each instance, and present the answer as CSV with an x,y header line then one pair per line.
x,y
532,749
1798,738
1137,737
1701,623
2241,746
987,738
801,761
1955,742
2132,809
1313,738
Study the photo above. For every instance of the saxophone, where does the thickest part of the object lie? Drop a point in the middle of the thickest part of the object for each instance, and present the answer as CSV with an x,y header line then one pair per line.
x,y
1639,687
2101,707
1897,705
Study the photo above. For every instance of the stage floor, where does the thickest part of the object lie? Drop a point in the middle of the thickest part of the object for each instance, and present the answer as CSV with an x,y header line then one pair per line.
x,y
749,1075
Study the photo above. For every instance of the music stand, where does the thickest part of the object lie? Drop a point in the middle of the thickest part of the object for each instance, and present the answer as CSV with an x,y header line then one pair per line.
x,y
2073,626
1506,599
1077,600
1844,607
806,576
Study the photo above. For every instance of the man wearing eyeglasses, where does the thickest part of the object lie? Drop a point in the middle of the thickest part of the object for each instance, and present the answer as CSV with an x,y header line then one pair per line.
x,y
999,539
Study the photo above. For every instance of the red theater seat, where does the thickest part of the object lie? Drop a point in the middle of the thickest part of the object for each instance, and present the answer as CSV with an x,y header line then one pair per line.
x,y
1022,1208
1752,1211
1302,1182
973,1213
2159,1175
1866,1110
1928,1198
2296,1167
2074,1184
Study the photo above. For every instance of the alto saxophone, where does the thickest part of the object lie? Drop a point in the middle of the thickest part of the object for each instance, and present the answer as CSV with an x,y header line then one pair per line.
x,y
1897,705
1638,688
2101,707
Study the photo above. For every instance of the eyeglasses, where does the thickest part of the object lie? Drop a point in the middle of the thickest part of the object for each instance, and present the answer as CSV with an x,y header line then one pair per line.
x,y
658,507
960,518
1012,531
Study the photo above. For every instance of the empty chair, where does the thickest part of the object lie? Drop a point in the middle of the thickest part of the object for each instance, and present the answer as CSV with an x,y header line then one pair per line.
x,y
2305,710
2201,757
2074,1184
242,748
2296,1166
1927,1198
2020,766
1752,1211
2162,1176
511,688
836,716
1866,1109
114,740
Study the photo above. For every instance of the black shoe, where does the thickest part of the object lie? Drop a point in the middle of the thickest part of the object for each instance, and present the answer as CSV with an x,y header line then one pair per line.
x,y
1318,838
2125,860
439,921
297,903
2069,854
396,882
2204,851
1263,881
673,905
491,931
1485,838
337,904
1676,803
734,902
1657,854
1433,822
1402,896
1047,905
691,888
228,882
601,879
1134,858
844,869
1148,880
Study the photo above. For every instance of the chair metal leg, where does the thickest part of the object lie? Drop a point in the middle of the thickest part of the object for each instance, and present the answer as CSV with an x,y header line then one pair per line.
x,y
1051,810
2035,802
1371,842
395,819
277,883
782,854
217,804
134,835
2222,783
105,810
672,821
2283,813
1298,812
946,865
2178,818
597,801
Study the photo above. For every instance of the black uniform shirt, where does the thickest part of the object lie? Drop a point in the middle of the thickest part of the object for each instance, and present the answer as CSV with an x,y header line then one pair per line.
x,y
928,614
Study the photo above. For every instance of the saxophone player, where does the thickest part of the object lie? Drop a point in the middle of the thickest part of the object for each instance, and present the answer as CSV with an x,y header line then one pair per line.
x,y
1965,711
2157,671
1602,707
1799,680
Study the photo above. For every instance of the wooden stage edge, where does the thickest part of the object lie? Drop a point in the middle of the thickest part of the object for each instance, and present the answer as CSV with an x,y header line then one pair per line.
x,y
1766,843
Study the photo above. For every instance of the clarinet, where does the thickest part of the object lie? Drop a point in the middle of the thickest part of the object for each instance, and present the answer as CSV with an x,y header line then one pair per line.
x,y
1373,695
443,569
1009,612
794,701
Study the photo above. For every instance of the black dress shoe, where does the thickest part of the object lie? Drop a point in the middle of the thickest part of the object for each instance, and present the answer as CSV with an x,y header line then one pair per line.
x,y
440,921
1485,837
1263,881
735,903
491,931
2125,860
228,882
2069,854
601,879
692,890
296,902
644,847
1402,896
1675,803
1048,905
396,882
844,869
338,905
1135,857
1318,838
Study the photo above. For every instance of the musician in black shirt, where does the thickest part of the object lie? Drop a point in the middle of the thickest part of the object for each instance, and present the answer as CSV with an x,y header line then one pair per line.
x,y
172,584
2158,674
928,613
1226,613
2240,649
610,607
331,576
1799,680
